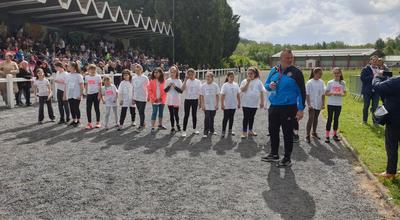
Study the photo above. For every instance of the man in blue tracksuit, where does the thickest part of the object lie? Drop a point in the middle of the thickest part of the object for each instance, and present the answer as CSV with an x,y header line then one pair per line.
x,y
287,96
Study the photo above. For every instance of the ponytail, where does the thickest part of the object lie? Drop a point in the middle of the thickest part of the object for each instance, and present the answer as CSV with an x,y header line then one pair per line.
x,y
312,73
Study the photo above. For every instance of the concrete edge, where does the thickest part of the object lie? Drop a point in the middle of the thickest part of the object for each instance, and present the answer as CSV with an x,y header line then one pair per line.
x,y
382,189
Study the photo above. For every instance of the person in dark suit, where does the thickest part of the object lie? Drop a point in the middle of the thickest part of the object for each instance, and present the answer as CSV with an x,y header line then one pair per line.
x,y
389,88
24,88
369,95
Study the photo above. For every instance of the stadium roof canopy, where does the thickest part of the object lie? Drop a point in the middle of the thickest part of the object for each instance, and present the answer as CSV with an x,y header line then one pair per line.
x,y
331,53
86,15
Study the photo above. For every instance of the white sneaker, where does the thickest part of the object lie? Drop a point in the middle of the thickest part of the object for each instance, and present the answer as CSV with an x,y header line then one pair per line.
x,y
133,124
196,132
205,136
215,133
183,134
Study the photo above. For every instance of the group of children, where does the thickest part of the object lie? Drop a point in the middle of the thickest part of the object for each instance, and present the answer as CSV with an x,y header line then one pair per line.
x,y
136,90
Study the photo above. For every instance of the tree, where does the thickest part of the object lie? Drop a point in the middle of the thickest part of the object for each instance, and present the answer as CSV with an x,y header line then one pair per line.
x,y
380,44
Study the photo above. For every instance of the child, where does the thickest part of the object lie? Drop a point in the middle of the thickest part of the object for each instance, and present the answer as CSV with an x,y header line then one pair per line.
x,y
315,90
140,93
61,78
335,90
74,92
230,100
109,97
157,97
42,90
174,92
125,94
209,98
192,87
93,90
252,97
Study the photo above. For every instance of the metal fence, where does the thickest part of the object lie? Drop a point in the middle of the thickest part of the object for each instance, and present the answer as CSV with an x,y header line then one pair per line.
x,y
10,80
355,86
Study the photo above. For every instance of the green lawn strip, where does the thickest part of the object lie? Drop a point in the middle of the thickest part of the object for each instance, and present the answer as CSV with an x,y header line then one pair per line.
x,y
367,140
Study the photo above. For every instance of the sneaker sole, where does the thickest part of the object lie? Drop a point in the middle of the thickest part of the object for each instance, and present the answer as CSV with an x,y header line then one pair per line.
x,y
284,166
270,160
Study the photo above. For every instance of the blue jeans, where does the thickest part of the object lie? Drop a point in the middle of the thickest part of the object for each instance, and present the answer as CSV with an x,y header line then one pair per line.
x,y
374,97
157,109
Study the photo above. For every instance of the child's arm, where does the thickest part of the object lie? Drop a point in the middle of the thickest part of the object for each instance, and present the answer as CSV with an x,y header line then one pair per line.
x,y
216,102
50,92
262,100
323,101
308,101
245,87
81,91
201,101
239,101
222,101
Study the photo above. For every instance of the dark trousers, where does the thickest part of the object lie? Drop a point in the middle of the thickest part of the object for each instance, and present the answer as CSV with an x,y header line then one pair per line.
x,y
93,100
248,118
124,110
312,121
374,97
209,121
44,100
282,116
26,91
174,115
74,106
229,115
141,106
333,113
295,125
63,106
190,104
392,139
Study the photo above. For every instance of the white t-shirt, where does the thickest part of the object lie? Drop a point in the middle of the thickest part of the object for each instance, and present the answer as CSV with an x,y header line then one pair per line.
x,y
110,95
42,87
140,90
73,85
62,77
93,83
192,90
173,97
315,89
125,93
209,91
334,86
230,90
251,98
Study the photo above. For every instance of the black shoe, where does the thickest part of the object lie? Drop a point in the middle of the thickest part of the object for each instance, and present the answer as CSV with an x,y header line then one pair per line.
x,y
336,138
316,136
327,140
284,163
52,119
28,104
173,130
270,158
178,128
62,121
296,138
161,127
77,124
72,123
308,139
40,122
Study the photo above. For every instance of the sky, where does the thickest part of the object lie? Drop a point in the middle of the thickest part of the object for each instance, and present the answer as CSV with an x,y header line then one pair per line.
x,y
310,21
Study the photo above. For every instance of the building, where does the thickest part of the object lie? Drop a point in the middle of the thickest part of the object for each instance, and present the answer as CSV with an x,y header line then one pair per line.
x,y
345,58
392,61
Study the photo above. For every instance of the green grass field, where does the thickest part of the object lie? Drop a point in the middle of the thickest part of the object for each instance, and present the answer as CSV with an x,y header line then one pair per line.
x,y
367,140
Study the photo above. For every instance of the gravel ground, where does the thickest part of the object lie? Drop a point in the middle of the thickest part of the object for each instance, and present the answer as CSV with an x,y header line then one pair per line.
x,y
56,172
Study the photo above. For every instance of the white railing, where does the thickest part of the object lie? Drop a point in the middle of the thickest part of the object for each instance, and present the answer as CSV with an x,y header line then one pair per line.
x,y
10,80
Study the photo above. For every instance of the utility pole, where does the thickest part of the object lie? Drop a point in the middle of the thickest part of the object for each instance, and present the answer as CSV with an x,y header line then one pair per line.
x,y
173,28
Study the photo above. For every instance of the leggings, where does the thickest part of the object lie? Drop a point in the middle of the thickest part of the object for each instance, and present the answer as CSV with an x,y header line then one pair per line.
x,y
63,106
44,100
141,106
174,115
190,104
313,115
75,111
93,99
108,111
248,118
229,115
209,116
157,109
333,112
124,110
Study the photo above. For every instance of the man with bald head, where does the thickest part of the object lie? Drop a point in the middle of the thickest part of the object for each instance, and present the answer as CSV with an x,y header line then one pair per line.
x,y
287,97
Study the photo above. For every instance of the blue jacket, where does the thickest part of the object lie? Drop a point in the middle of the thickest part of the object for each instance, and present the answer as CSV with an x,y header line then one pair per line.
x,y
390,89
291,89
366,78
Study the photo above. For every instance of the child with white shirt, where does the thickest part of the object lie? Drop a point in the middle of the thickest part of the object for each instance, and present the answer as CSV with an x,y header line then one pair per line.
x,y
335,90
230,100
191,88
140,93
174,91
209,98
109,98
74,92
63,106
125,94
93,89
42,90
315,98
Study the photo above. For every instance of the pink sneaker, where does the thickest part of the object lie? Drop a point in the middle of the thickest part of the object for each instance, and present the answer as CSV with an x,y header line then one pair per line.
x,y
98,125
89,126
